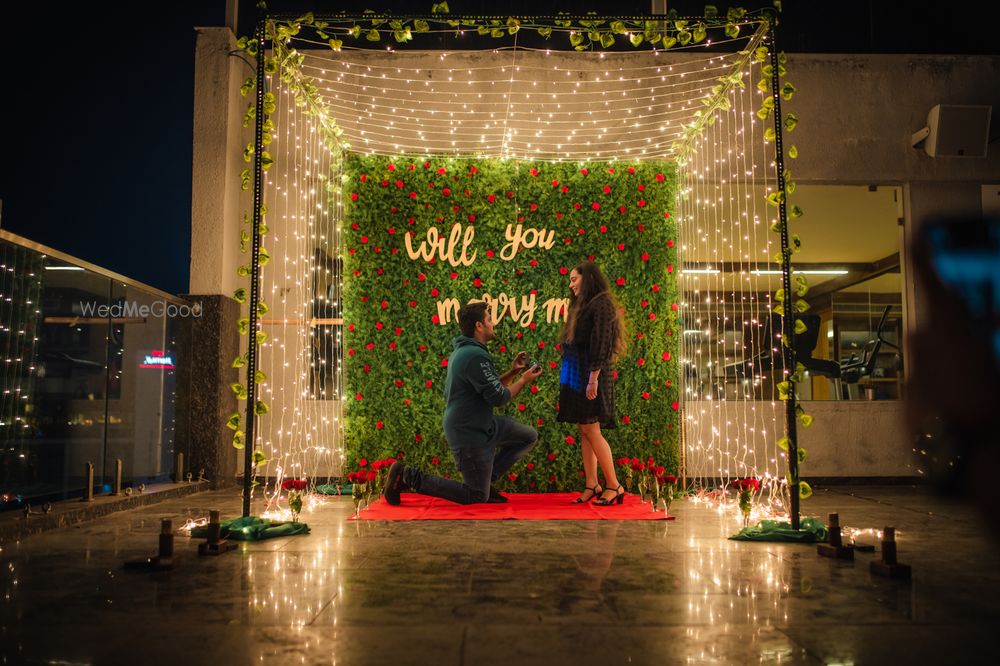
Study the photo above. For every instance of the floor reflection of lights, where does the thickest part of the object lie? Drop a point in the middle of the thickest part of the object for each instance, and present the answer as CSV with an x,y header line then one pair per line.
x,y
10,593
295,589
732,584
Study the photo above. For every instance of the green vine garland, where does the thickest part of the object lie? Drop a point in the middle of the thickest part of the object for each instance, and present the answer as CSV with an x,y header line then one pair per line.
x,y
597,33
787,389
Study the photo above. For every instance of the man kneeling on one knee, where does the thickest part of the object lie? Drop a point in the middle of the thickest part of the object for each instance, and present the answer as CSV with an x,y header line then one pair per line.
x,y
485,446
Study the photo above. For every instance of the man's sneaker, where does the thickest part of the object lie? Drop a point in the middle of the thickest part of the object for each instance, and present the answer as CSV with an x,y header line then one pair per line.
x,y
394,483
496,497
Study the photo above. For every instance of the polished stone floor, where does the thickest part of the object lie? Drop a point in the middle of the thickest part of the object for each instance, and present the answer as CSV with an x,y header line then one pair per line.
x,y
510,593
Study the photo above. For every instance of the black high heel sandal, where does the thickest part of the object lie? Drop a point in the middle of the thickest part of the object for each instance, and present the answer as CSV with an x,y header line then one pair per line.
x,y
593,493
617,499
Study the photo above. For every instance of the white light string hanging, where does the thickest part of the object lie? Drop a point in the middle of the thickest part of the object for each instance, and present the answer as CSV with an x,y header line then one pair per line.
x,y
300,436
633,107
731,351
535,104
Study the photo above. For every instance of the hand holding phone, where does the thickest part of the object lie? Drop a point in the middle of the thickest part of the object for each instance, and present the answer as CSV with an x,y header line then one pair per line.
x,y
955,377
965,258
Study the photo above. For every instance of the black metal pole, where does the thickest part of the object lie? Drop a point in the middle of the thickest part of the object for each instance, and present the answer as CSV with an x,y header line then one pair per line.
x,y
107,381
788,319
258,195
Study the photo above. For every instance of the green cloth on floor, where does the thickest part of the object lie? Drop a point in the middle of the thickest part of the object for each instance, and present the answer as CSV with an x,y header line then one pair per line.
x,y
251,528
812,531
331,489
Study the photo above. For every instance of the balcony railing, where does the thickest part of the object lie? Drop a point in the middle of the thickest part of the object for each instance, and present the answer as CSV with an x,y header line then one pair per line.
x,y
88,374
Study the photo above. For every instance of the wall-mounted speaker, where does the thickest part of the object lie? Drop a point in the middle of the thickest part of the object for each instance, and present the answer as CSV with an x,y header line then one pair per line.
x,y
958,131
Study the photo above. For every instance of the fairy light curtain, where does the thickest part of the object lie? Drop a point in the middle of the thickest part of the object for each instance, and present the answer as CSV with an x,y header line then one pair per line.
x,y
691,105
731,340
516,103
300,360
21,272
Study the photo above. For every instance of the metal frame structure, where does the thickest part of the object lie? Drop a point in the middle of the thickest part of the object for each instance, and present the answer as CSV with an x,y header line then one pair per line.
x,y
788,319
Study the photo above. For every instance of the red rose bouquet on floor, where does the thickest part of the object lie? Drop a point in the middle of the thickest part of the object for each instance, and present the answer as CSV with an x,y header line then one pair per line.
x,y
294,488
747,487
639,468
377,481
669,484
626,465
362,485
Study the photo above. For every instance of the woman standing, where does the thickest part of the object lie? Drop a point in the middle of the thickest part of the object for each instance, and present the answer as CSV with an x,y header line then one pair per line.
x,y
592,338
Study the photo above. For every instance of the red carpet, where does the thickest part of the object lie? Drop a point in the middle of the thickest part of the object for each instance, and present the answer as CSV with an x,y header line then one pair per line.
x,y
522,506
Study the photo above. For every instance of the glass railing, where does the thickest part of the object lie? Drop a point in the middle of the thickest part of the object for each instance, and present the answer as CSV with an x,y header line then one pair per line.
x,y
88,368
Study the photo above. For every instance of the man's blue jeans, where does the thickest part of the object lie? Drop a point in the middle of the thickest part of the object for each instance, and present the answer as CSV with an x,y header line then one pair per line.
x,y
482,465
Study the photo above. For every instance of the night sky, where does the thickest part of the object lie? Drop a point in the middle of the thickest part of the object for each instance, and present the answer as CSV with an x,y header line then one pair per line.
x,y
97,109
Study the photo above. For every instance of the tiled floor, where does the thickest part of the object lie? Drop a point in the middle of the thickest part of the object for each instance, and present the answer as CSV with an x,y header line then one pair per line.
x,y
511,593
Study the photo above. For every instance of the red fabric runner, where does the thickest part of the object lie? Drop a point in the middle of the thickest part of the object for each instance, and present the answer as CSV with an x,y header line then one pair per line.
x,y
522,506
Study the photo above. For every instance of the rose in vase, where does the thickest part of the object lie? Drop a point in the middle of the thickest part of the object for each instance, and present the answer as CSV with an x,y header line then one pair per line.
x,y
294,488
655,474
358,489
625,464
669,484
641,485
381,469
747,487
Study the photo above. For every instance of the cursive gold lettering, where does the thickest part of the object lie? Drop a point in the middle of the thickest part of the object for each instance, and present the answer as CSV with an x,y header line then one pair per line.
x,y
556,309
444,248
519,238
522,310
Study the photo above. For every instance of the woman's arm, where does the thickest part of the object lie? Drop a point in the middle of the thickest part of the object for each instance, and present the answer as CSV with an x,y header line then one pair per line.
x,y
603,332
602,342
592,384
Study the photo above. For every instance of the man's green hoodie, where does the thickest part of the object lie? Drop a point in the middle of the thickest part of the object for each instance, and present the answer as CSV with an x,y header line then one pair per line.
x,y
471,392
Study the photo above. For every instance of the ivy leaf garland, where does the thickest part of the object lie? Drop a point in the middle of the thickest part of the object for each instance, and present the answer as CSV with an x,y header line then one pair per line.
x,y
582,34
786,90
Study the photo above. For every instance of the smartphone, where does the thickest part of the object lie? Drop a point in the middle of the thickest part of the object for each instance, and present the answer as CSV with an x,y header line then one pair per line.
x,y
965,257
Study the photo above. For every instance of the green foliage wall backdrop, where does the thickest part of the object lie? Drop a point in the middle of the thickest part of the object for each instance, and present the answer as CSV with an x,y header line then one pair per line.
x,y
397,342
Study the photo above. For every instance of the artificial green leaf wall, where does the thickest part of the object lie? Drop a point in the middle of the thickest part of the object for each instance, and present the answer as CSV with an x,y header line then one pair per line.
x,y
419,232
